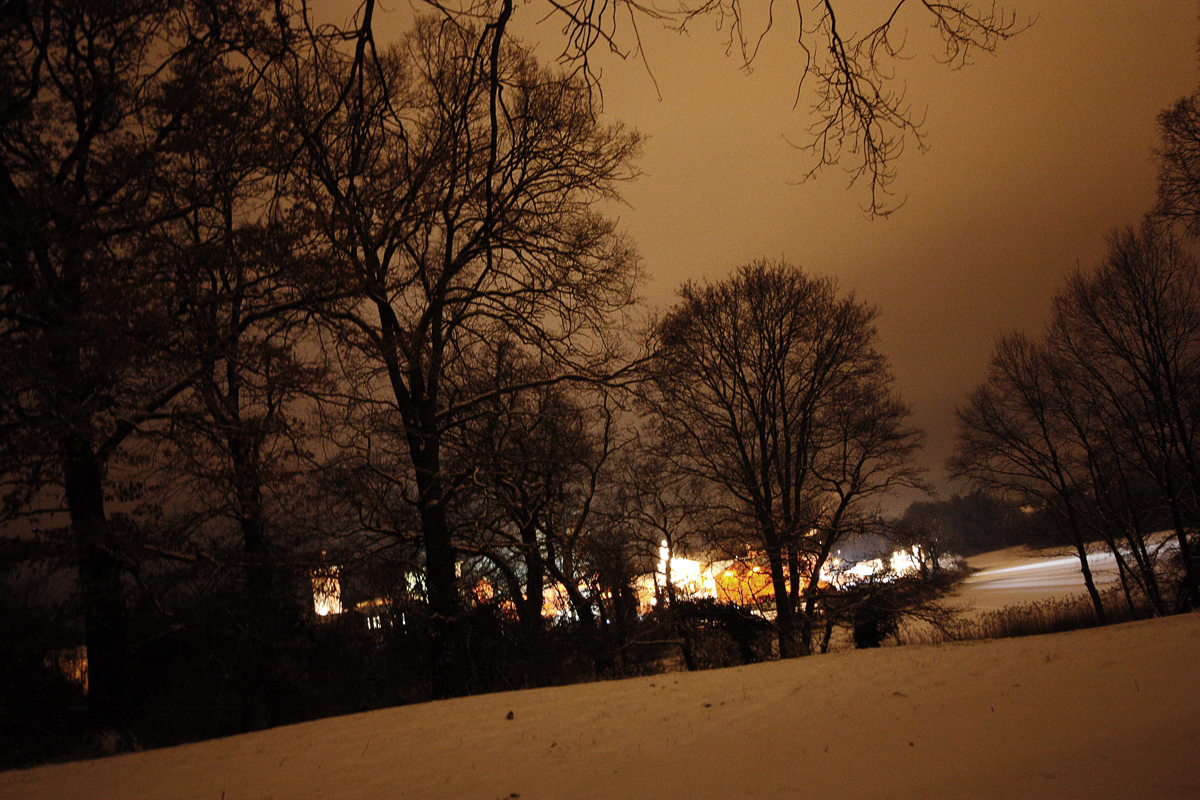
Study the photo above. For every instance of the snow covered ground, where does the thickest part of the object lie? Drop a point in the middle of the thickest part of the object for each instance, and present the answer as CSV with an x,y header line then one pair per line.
x,y
1019,575
1105,713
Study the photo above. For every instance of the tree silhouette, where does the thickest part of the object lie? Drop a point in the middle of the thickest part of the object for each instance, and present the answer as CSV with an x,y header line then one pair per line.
x,y
847,62
461,217
771,385
97,131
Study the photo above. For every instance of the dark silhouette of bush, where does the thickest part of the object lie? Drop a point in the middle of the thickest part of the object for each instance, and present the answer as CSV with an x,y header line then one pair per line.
x,y
744,627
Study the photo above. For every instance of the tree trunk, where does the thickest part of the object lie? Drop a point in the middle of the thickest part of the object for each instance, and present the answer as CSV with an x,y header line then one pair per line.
x,y
785,621
680,627
447,637
1146,576
530,609
813,590
1123,575
1089,582
828,634
1191,580
1077,541
256,674
260,676
106,616
830,533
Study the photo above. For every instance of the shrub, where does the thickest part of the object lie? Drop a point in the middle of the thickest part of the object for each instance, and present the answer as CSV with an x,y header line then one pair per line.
x,y
1055,615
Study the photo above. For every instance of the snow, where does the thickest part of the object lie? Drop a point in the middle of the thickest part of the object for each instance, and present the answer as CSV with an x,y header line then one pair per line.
x,y
1103,713
1019,575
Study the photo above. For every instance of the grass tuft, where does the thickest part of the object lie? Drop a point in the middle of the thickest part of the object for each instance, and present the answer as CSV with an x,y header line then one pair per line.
x,y
1028,619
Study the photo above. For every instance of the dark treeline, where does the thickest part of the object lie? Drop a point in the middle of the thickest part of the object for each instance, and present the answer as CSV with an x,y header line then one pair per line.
x,y
277,306
973,523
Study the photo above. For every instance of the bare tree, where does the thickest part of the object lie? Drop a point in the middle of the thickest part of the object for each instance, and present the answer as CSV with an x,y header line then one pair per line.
x,y
535,460
238,449
1179,163
1132,329
847,62
864,445
540,506
460,212
771,385
1117,505
96,133
1013,441
1096,421
666,506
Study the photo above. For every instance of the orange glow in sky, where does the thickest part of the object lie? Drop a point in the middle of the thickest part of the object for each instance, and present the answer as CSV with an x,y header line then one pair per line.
x,y
1036,154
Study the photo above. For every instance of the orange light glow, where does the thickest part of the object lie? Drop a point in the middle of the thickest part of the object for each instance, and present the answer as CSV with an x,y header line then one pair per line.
x,y
327,591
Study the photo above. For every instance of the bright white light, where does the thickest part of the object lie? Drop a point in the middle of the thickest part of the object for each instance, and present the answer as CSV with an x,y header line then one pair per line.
x,y
690,578
900,563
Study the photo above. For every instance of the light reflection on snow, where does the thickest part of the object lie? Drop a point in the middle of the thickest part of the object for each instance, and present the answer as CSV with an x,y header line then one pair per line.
x,y
1030,580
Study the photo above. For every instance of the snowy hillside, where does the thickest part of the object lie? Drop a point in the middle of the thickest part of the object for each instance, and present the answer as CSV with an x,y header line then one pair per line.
x,y
1106,713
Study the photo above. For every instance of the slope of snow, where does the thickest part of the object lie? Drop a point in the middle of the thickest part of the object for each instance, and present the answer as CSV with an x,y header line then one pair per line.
x,y
1105,713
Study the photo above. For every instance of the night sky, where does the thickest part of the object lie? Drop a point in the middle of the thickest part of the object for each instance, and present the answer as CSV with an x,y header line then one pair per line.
x,y
1035,155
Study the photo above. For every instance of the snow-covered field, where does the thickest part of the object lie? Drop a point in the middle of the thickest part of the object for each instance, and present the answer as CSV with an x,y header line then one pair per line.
x,y
1019,575
1106,713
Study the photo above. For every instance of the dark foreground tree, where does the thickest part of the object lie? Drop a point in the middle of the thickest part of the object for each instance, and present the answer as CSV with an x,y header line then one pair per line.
x,y
97,132
462,216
